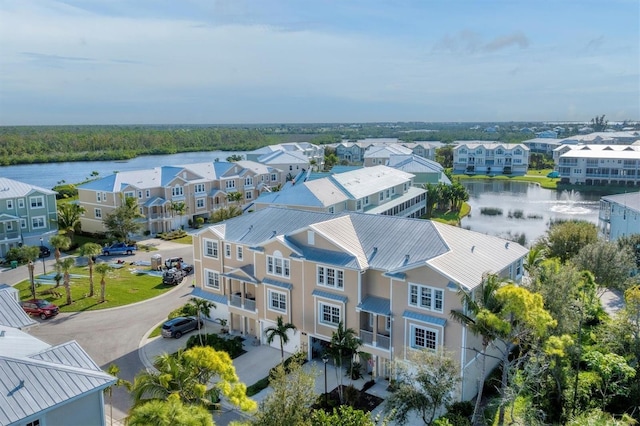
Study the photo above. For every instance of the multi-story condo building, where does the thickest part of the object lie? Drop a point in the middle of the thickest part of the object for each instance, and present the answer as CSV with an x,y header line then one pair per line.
x,y
376,190
599,164
424,170
619,215
394,280
313,153
27,214
477,157
291,163
354,151
379,155
604,138
199,189
542,145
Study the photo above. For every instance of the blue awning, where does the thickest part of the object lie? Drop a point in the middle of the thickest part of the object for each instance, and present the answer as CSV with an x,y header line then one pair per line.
x,y
276,283
211,297
376,305
424,318
331,296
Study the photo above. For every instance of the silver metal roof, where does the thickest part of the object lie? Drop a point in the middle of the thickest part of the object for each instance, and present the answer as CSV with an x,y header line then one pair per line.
x,y
70,353
11,313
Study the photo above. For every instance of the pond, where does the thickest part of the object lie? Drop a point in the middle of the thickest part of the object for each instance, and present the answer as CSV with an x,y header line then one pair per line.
x,y
509,209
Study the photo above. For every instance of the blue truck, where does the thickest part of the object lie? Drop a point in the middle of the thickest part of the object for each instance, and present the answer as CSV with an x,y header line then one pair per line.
x,y
119,249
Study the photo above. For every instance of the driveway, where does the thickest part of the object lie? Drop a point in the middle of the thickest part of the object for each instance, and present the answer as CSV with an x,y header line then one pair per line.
x,y
112,336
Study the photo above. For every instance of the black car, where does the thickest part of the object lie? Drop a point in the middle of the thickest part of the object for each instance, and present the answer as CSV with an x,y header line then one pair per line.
x,y
176,327
44,251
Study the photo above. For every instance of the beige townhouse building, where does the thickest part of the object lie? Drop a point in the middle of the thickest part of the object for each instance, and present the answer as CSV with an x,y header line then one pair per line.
x,y
394,280
199,188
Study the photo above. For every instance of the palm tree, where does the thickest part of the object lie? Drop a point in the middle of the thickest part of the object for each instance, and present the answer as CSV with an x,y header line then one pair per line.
x,y
479,315
203,308
69,214
103,269
280,330
65,265
59,242
235,197
534,258
90,250
114,370
180,208
343,342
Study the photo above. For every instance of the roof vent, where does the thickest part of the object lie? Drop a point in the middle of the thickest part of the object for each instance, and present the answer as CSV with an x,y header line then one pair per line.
x,y
406,259
2,333
506,245
472,248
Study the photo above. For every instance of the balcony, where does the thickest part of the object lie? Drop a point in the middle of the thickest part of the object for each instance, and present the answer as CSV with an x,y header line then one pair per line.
x,y
382,341
10,235
249,304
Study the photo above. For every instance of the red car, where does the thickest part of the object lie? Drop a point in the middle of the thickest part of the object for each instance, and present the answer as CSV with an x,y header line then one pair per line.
x,y
40,307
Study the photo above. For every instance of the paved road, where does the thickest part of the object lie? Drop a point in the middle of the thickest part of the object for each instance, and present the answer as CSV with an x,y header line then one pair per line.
x,y
112,336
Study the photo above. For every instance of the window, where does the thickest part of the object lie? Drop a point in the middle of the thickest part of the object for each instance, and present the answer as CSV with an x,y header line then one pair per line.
x,y
212,279
227,250
139,194
177,191
9,204
423,338
381,196
98,197
128,194
329,314
36,202
239,253
211,248
9,226
98,213
387,324
147,193
248,195
426,297
274,177
276,265
20,203
200,202
230,184
277,301
34,423
199,188
366,200
23,224
331,210
248,181
330,277
358,204
38,222
387,194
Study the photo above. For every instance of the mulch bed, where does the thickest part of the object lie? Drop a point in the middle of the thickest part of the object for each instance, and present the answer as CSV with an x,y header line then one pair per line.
x,y
364,402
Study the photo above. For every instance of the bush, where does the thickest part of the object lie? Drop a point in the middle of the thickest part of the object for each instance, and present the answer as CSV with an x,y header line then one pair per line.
x,y
258,386
351,395
355,371
184,311
368,385
232,346
491,211
172,235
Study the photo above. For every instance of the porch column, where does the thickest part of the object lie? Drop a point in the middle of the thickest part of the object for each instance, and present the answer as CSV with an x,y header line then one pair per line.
x,y
375,330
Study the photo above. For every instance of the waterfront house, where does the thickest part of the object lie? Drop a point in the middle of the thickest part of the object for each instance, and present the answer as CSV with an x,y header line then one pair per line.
x,y
314,153
27,214
477,157
424,170
394,280
619,215
376,190
598,164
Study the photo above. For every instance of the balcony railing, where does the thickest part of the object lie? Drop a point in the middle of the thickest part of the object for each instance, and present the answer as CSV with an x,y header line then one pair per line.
x,y
382,341
249,304
11,235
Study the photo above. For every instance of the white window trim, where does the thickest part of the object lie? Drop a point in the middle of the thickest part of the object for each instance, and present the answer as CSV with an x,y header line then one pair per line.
x,y
21,203
23,224
201,203
227,250
270,294
97,213
38,219
321,314
206,278
36,199
412,337
433,297
239,252
10,204
325,279
286,262
215,248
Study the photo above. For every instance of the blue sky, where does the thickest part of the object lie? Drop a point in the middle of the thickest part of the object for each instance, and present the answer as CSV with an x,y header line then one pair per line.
x,y
266,61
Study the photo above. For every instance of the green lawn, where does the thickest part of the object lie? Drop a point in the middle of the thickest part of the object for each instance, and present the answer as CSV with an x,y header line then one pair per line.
x,y
537,176
123,288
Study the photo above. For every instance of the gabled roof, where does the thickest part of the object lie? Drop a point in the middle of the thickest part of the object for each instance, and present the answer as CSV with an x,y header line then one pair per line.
x,y
630,200
414,164
35,377
10,188
385,151
315,193
369,180
11,313
283,157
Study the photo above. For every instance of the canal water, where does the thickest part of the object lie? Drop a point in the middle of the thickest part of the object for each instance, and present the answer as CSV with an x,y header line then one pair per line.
x,y
525,208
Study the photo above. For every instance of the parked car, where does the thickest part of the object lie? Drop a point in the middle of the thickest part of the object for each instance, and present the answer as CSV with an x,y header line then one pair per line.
x,y
176,327
40,307
178,263
173,276
44,251
119,249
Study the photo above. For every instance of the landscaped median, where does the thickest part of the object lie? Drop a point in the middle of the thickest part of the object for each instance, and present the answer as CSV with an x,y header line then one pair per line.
x,y
125,284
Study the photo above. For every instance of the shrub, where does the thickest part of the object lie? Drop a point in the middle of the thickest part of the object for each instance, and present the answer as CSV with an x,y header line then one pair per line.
x,y
232,346
491,211
355,371
351,395
184,311
516,214
258,386
368,385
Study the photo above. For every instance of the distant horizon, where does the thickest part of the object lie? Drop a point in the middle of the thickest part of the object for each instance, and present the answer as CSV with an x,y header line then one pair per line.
x,y
103,62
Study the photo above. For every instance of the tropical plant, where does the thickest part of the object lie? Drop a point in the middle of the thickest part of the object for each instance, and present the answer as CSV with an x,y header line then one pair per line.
x,y
224,213
123,220
235,197
65,266
280,331
114,370
59,243
203,309
169,413
69,215
103,269
344,342
90,250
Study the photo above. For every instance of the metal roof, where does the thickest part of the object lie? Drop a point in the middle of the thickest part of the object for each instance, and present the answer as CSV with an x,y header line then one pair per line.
x,y
211,297
10,188
630,200
11,313
70,353
277,283
424,318
327,295
369,180
377,305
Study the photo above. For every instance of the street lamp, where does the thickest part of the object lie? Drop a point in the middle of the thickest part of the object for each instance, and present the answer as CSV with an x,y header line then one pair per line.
x,y
325,359
44,267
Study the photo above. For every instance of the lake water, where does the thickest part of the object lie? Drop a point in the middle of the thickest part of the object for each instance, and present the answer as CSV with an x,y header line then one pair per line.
x,y
49,174
538,206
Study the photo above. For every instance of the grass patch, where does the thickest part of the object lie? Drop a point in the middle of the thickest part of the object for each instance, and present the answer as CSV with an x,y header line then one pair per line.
x,y
187,239
156,332
542,180
123,287
450,217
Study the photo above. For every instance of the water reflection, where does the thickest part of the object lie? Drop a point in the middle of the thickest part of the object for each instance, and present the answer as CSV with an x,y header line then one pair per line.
x,y
525,208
